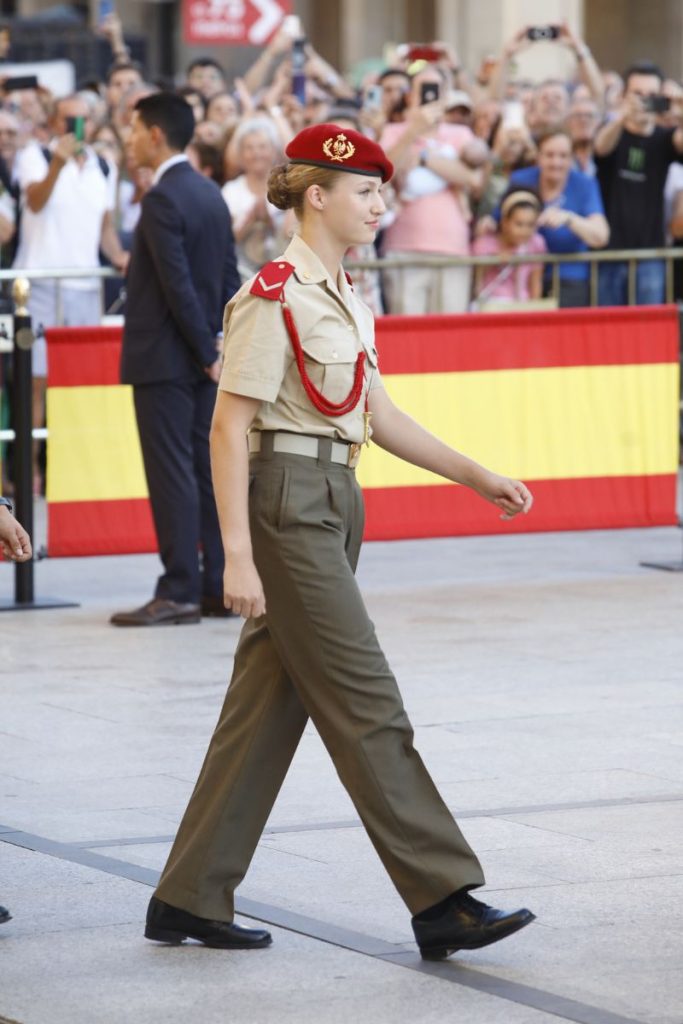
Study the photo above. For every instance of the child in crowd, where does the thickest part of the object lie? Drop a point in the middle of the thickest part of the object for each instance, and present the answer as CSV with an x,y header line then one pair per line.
x,y
516,234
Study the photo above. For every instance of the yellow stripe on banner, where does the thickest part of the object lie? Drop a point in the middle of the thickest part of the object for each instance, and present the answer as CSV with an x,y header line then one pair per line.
x,y
537,424
541,424
93,448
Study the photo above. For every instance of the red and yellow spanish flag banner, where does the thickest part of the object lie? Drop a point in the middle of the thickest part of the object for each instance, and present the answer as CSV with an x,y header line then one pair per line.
x,y
581,404
96,490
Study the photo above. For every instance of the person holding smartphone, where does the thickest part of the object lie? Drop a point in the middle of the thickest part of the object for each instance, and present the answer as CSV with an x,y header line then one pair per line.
x,y
431,181
550,99
633,155
68,194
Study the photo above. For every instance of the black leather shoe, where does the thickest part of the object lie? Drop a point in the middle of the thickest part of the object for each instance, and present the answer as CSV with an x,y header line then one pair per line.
x,y
4,915
158,612
466,923
168,924
213,608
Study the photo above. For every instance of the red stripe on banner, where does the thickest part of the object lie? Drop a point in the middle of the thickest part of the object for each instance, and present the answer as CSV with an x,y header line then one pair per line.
x,y
395,513
83,355
597,503
439,344
100,528
507,341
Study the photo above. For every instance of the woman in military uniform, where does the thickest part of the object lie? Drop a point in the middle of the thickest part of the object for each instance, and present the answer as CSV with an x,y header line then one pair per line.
x,y
300,392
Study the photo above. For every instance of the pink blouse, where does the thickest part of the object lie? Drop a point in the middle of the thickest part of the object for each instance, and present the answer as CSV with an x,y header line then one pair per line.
x,y
506,282
431,218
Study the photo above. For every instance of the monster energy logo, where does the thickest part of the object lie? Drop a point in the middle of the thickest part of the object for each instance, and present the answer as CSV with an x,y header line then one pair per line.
x,y
636,158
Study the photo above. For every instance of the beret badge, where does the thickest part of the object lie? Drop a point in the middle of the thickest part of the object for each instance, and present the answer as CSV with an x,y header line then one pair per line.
x,y
339,149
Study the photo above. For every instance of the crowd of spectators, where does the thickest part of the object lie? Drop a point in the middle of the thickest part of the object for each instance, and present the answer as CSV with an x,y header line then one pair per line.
x,y
594,158
487,164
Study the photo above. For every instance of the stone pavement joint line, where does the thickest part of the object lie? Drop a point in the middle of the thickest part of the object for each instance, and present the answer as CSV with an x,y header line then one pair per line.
x,y
366,945
334,826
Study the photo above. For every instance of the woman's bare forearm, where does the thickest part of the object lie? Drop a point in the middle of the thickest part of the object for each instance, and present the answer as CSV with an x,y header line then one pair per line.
x,y
397,433
230,470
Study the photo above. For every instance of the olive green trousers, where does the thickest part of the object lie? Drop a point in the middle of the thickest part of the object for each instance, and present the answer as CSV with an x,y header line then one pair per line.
x,y
313,655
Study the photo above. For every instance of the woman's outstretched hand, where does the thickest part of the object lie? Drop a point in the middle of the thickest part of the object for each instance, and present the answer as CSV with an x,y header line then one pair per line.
x,y
242,588
511,496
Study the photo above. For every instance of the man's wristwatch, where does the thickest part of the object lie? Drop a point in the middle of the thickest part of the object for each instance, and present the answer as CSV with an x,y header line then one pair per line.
x,y
8,504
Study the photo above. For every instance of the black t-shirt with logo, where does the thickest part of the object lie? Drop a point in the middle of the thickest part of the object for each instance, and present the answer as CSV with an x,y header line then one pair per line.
x,y
632,179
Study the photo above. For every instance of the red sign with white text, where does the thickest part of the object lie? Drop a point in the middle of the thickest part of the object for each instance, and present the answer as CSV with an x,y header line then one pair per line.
x,y
233,22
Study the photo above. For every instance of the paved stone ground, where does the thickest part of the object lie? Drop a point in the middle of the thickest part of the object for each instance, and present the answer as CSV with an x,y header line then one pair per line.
x,y
544,677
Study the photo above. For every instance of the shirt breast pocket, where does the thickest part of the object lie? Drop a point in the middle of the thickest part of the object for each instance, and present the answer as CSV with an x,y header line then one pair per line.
x,y
331,365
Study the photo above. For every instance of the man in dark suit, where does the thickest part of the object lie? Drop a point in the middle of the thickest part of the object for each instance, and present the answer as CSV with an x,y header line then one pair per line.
x,y
182,272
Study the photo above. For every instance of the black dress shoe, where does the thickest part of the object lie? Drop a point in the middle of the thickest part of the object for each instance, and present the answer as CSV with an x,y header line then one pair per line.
x,y
158,612
4,915
465,923
169,924
213,608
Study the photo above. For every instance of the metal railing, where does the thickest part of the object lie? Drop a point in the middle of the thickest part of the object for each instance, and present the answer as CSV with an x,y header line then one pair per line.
x,y
60,274
594,257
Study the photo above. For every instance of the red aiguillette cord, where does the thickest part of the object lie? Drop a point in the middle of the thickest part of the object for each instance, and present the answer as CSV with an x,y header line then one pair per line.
x,y
322,404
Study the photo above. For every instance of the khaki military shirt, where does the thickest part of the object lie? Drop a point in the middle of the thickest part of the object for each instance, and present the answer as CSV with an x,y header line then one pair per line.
x,y
334,325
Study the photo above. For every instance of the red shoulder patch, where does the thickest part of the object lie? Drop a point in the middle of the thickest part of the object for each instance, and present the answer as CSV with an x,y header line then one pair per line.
x,y
348,278
270,281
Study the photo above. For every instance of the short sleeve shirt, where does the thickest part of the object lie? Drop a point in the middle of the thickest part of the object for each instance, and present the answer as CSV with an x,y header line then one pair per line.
x,y
511,283
632,179
67,231
334,326
431,218
240,200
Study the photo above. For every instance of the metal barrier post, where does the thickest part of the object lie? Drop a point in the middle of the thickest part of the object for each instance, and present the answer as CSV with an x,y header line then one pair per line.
x,y
23,448
632,269
593,300
23,451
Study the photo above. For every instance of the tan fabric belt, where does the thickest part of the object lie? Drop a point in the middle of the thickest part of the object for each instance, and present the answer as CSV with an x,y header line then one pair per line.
x,y
342,453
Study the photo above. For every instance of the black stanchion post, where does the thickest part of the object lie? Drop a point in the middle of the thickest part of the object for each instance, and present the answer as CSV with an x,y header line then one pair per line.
x,y
24,597
23,430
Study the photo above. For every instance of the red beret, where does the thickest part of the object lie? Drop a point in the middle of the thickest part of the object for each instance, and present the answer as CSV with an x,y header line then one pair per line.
x,y
339,149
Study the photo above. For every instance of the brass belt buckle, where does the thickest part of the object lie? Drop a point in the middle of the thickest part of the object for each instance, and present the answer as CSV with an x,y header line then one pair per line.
x,y
354,455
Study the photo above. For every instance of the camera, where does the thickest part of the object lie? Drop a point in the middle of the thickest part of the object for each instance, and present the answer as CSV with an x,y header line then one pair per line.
x,y
657,104
373,97
420,51
429,92
543,32
299,58
18,82
76,126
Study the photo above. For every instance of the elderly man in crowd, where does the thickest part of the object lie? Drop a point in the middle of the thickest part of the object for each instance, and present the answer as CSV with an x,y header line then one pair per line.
x,y
583,120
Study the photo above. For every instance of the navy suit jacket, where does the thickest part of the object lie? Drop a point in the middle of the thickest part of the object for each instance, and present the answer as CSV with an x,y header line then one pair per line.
x,y
182,272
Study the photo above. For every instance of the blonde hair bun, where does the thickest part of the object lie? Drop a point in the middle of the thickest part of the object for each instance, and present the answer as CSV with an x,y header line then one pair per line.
x,y
279,193
287,184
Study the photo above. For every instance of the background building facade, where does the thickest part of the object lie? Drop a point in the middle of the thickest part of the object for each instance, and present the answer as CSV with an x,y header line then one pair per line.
x,y
348,32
